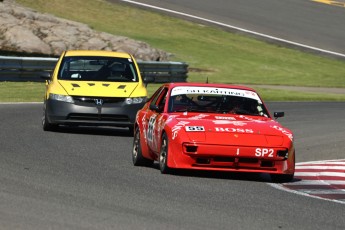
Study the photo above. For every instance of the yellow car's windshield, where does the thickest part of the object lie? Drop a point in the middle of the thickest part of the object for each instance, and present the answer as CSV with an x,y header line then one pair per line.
x,y
89,68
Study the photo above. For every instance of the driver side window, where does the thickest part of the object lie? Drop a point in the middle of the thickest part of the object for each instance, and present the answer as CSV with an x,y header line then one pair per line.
x,y
159,101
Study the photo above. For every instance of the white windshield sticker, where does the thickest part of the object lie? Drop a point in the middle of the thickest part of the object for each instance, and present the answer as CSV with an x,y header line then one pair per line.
x,y
76,75
215,91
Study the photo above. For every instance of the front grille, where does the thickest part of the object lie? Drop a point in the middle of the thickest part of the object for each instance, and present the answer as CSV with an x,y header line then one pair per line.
x,y
246,163
80,100
239,160
97,117
224,159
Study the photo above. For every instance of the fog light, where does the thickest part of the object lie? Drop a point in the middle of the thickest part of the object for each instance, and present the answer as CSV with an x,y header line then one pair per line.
x,y
283,153
191,148
202,161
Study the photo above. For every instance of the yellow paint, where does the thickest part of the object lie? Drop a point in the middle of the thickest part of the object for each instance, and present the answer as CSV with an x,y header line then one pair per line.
x,y
330,2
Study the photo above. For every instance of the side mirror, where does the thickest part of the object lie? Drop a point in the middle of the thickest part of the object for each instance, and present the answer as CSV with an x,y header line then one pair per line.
x,y
148,79
155,108
45,76
278,114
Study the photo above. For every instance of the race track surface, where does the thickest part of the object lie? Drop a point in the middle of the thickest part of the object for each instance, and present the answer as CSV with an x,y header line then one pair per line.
x,y
83,178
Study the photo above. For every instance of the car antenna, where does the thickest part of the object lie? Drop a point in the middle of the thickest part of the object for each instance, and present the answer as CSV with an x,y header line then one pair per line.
x,y
207,80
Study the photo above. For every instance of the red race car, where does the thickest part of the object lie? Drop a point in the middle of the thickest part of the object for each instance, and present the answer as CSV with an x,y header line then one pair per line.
x,y
206,126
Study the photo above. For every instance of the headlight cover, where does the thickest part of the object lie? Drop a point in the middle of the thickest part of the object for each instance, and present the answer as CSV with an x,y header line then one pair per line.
x,y
59,97
135,100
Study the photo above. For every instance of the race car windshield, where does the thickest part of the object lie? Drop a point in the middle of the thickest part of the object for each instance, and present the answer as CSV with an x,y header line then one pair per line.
x,y
216,100
108,69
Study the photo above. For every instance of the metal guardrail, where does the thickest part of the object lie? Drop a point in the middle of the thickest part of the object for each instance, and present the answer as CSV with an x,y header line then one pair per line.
x,y
30,69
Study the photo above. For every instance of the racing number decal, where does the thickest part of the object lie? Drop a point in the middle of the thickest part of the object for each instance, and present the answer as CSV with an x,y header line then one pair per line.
x,y
262,152
150,128
195,128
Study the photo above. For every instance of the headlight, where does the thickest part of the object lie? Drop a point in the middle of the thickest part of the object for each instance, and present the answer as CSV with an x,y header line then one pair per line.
x,y
135,100
59,97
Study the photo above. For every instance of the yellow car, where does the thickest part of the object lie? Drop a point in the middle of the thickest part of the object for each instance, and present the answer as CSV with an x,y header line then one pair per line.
x,y
93,88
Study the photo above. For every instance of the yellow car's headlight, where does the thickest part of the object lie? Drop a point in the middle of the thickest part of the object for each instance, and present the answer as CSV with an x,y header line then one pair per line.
x,y
59,97
135,100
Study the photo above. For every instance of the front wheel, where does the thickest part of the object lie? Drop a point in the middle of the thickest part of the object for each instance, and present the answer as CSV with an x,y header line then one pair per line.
x,y
282,178
163,156
130,130
47,126
137,157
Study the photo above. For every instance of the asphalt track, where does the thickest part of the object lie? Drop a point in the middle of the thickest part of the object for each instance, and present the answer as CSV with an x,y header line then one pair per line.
x,y
83,178
308,24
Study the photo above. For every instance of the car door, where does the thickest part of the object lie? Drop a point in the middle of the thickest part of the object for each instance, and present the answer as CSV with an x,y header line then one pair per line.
x,y
156,120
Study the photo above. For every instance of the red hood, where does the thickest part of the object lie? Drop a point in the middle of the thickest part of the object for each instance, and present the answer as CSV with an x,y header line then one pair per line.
x,y
233,129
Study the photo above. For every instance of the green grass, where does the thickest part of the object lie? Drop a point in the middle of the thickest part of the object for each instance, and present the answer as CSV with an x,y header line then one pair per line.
x,y
289,95
21,91
222,56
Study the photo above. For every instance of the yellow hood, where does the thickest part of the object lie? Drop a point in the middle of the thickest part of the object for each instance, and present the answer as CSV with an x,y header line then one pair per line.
x,y
98,88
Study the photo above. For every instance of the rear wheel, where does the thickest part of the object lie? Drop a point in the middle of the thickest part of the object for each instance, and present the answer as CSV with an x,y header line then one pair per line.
x,y
163,156
137,157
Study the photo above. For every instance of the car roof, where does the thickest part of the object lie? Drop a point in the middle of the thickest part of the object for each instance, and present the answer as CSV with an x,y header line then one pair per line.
x,y
104,53
216,85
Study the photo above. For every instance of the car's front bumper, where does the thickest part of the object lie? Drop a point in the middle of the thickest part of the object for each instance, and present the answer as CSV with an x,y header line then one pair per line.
x,y
233,158
89,114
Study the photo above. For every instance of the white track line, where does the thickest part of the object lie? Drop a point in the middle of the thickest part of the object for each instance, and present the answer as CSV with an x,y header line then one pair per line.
x,y
321,167
340,161
279,187
318,182
236,28
316,174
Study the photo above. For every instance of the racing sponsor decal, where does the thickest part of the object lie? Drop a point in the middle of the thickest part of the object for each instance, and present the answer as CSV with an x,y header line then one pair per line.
x,y
195,128
225,122
199,116
318,179
264,152
150,128
233,130
177,128
170,118
225,118
253,94
143,121
284,131
215,91
251,119
160,124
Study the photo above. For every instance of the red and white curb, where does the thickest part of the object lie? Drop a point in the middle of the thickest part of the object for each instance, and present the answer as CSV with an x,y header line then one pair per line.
x,y
318,179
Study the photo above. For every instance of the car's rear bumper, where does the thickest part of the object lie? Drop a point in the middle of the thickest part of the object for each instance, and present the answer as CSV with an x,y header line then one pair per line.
x,y
117,114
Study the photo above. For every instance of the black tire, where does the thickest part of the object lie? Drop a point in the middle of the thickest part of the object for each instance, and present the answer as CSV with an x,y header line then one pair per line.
x,y
47,126
137,157
281,178
163,156
130,130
